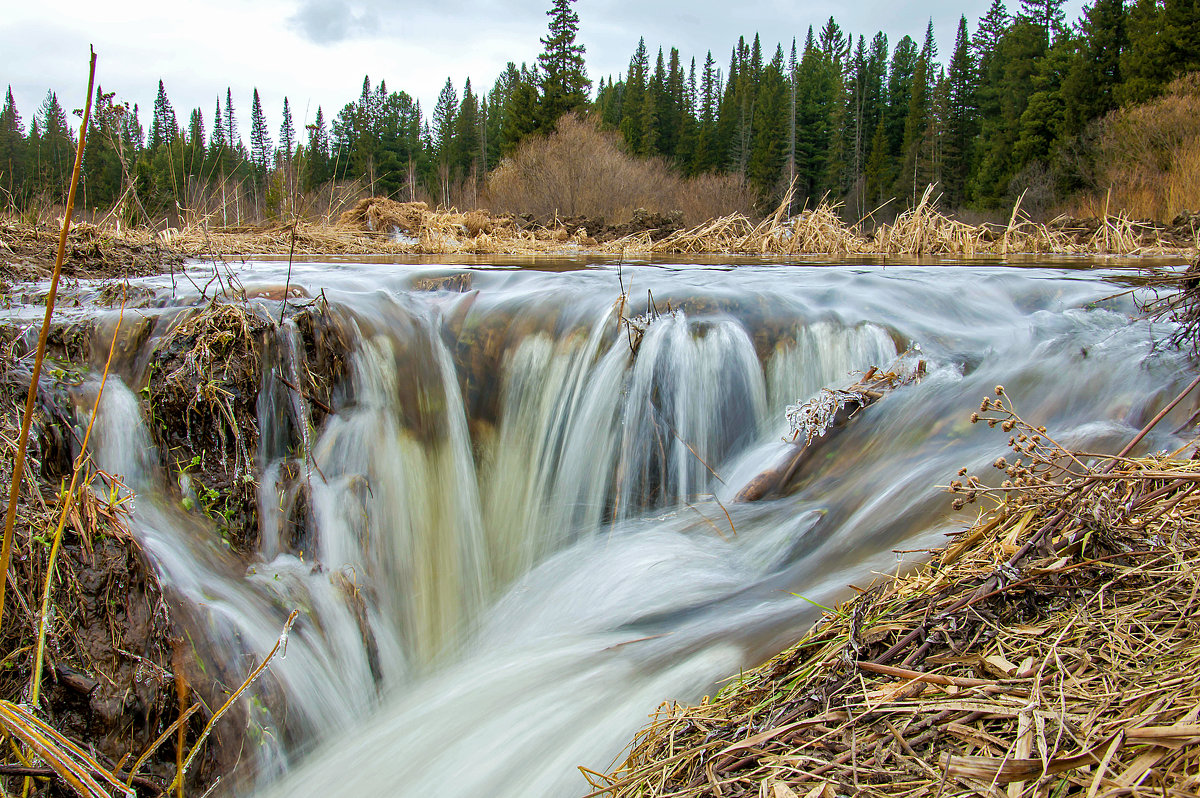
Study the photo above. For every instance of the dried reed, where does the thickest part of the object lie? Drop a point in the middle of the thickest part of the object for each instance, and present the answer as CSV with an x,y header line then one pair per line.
x,y
1050,649
22,441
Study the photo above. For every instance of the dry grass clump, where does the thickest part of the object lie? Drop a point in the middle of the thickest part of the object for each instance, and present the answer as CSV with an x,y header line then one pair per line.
x,y
202,401
920,230
380,214
1051,649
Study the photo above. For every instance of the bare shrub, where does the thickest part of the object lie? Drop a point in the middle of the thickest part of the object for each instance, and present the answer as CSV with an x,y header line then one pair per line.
x,y
1147,158
579,170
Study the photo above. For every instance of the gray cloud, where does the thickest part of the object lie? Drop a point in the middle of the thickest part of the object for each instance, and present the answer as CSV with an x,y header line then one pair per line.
x,y
329,21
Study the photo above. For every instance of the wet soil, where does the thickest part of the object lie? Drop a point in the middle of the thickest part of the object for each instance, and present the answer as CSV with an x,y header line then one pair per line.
x,y
115,662
27,252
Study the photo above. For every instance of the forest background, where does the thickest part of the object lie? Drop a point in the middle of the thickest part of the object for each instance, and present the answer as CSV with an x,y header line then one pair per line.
x,y
1084,118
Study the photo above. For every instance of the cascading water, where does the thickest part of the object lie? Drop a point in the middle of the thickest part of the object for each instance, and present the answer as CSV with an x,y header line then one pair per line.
x,y
520,534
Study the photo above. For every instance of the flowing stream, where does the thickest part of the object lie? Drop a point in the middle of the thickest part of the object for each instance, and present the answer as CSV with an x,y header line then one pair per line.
x,y
521,533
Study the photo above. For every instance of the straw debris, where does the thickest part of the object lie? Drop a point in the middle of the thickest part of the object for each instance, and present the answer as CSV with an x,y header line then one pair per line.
x,y
1049,649
921,230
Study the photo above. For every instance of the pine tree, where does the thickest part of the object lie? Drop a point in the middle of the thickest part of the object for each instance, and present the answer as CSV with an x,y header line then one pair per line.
x,y
961,120
12,152
634,99
260,141
316,161
164,128
443,131
233,139
565,82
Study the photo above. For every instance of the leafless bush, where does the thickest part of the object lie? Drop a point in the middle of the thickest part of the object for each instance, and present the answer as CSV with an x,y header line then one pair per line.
x,y
1148,157
579,170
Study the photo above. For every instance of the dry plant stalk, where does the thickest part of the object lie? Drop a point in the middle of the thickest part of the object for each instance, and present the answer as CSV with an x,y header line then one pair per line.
x,y
1049,649
23,439
35,684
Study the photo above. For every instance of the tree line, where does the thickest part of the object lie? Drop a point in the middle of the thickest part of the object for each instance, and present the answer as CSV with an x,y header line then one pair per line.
x,y
852,119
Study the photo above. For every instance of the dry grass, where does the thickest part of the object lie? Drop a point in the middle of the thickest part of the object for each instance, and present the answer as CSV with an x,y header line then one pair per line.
x,y
1050,649
379,226
919,231
1147,157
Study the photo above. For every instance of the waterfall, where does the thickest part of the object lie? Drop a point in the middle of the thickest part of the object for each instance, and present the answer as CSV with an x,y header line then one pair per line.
x,y
514,535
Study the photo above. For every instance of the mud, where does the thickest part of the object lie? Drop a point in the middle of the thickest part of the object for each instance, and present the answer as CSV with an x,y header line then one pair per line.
x,y
27,252
112,647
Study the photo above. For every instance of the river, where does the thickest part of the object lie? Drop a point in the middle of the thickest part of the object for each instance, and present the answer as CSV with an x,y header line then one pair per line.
x,y
519,532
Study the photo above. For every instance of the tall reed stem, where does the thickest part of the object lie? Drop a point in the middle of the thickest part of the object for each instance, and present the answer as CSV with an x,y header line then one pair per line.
x,y
14,491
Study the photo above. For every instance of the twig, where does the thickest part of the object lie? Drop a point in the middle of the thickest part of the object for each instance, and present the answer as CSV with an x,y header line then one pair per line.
x,y
254,674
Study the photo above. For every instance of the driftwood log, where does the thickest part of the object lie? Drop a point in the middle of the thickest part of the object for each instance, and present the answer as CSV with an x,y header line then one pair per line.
x,y
814,422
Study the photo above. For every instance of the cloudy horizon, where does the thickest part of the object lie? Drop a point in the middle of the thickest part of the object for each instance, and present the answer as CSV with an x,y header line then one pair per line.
x,y
316,52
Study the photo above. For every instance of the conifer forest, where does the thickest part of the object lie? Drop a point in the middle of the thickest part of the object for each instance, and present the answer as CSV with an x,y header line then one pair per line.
x,y
1007,105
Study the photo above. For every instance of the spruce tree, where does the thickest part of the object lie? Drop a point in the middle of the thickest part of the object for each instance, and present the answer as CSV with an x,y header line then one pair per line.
x,y
12,151
1045,14
164,128
217,145
768,154
1145,65
287,135
635,90
316,161
565,82
1093,77
465,159
233,139
443,131
498,107
961,118
901,72
1181,29
55,149
520,110
103,175
195,143
260,141
704,156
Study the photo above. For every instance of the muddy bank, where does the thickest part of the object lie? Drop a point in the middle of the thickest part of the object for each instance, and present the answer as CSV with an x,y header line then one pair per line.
x,y
27,252
379,226
116,665
119,664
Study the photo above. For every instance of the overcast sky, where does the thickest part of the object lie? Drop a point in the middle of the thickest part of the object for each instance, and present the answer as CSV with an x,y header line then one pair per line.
x,y
316,52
